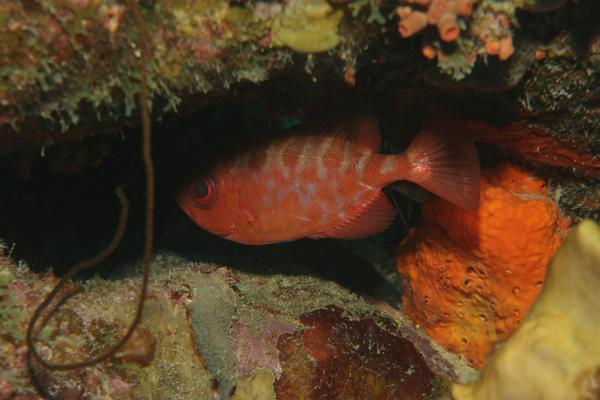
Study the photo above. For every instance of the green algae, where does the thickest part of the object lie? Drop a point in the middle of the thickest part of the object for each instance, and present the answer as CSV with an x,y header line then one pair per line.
x,y
356,6
212,313
458,64
12,317
66,64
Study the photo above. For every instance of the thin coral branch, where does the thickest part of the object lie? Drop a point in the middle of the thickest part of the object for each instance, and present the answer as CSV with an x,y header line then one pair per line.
x,y
149,233
98,258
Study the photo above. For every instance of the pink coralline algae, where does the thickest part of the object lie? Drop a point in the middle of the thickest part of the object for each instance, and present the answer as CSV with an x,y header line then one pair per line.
x,y
257,347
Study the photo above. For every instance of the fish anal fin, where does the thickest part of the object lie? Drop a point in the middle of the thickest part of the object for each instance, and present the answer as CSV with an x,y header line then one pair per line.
x,y
371,219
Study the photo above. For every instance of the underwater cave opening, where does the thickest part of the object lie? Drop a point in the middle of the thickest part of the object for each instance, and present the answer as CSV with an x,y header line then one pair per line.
x,y
54,219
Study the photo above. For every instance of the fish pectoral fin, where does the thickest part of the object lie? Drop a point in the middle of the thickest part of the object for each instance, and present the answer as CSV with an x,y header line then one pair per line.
x,y
370,219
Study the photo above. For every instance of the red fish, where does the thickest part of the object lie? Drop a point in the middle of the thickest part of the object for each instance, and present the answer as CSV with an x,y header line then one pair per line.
x,y
328,184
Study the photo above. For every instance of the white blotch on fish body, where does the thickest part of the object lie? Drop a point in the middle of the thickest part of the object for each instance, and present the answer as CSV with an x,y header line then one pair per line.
x,y
387,166
346,158
280,196
321,170
270,184
304,199
268,200
334,187
303,195
340,204
362,163
323,149
324,211
280,164
303,157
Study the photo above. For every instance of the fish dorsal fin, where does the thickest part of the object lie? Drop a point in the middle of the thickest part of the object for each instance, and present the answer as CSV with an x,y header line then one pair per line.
x,y
362,130
372,218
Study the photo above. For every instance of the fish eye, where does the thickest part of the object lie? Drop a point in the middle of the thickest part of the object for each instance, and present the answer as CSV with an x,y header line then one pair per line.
x,y
203,191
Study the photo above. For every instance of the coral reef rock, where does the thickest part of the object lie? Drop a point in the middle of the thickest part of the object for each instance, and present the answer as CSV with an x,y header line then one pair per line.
x,y
471,277
555,353
212,332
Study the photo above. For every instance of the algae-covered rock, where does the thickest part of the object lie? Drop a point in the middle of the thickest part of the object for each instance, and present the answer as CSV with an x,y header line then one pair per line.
x,y
213,332
212,313
541,5
66,64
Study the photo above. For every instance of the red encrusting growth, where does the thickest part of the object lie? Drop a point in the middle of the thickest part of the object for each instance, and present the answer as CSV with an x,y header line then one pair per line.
x,y
349,358
536,143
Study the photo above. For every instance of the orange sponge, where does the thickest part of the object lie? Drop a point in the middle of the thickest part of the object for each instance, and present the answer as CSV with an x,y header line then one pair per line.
x,y
471,277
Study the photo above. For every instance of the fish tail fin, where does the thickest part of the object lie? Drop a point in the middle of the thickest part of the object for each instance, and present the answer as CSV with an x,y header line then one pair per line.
x,y
443,159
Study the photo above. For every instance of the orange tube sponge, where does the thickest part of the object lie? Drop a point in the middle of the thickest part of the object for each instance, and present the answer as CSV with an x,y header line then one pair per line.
x,y
464,7
506,48
436,9
448,27
492,47
413,23
429,52
471,277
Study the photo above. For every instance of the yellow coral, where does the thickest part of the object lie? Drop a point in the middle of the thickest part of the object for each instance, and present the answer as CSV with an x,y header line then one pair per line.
x,y
555,354
307,26
256,386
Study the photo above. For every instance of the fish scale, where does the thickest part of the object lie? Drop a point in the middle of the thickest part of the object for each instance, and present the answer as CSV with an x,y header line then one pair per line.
x,y
326,184
324,162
